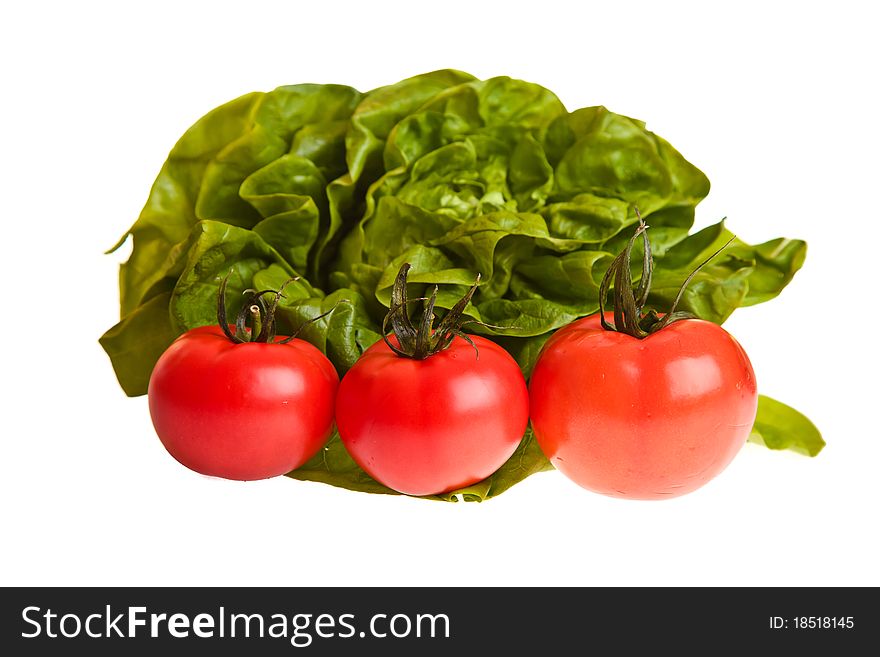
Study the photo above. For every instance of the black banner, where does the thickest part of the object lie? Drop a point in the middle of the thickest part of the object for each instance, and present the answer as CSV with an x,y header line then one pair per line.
x,y
433,621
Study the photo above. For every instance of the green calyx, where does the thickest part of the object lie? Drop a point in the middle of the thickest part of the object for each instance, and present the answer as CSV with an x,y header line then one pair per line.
x,y
419,342
255,321
629,302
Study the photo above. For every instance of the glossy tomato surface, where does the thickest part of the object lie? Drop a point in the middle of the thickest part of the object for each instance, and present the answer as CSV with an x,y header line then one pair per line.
x,y
643,419
241,411
429,426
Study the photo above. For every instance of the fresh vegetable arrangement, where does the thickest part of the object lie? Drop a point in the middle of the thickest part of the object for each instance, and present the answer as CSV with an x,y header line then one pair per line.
x,y
460,178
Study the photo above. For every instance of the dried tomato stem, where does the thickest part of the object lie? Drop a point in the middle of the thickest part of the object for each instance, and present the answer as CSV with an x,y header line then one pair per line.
x,y
628,304
254,312
423,341
256,316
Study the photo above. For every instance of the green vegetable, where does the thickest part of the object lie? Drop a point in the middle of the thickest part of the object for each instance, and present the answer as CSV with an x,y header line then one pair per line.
x,y
455,175
781,427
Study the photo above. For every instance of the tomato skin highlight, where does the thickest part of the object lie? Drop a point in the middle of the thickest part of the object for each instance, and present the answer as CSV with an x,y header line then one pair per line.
x,y
424,427
241,411
642,419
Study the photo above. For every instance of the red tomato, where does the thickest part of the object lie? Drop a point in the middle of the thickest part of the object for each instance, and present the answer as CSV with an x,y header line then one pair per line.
x,y
241,411
430,426
643,419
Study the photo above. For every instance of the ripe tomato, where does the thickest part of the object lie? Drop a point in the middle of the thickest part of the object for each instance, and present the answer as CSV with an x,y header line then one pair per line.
x,y
644,418
241,411
429,426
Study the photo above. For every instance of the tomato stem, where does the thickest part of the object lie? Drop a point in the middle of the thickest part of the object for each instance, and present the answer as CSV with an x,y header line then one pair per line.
x,y
423,341
256,316
629,303
260,315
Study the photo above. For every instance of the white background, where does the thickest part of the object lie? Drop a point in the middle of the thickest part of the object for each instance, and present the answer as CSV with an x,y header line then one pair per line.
x,y
774,101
